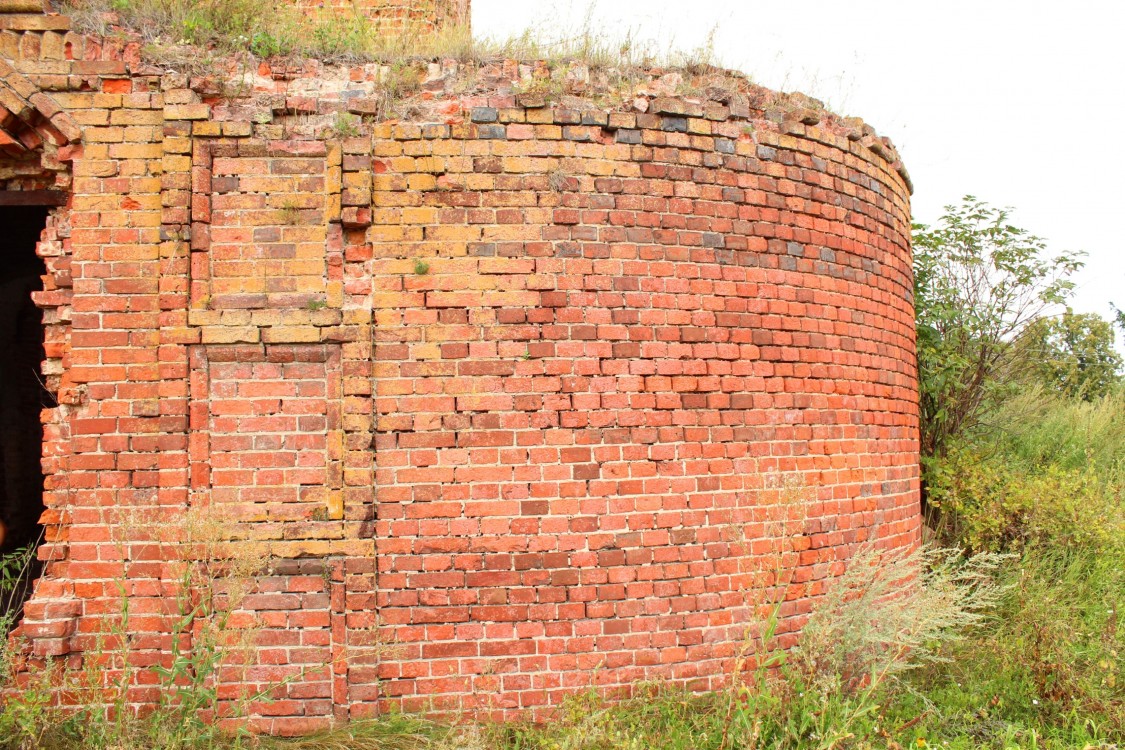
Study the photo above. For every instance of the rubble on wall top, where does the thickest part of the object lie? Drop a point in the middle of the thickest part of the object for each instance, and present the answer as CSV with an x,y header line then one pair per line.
x,y
448,91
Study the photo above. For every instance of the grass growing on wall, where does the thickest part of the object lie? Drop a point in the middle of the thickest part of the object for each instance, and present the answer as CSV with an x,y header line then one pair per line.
x,y
268,30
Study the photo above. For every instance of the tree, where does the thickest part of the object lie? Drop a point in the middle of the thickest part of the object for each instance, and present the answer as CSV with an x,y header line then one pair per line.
x,y
978,282
1072,353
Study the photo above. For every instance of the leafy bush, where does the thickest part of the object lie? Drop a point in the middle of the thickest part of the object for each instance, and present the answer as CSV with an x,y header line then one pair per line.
x,y
986,503
978,282
1047,473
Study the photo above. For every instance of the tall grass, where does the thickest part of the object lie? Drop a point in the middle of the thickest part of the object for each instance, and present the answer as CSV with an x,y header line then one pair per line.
x,y
1044,479
1047,670
1037,428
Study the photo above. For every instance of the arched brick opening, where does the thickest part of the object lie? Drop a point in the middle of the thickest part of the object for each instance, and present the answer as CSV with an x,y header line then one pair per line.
x,y
23,394
36,146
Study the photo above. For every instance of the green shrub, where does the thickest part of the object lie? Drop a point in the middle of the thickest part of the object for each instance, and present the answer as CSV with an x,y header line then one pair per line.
x,y
1047,471
991,503
979,282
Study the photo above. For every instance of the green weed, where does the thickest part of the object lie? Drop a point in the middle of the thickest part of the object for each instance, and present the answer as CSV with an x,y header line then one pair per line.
x,y
887,616
16,571
290,214
212,577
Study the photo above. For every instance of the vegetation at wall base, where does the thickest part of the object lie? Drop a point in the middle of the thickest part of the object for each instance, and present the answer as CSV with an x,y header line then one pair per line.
x,y
997,652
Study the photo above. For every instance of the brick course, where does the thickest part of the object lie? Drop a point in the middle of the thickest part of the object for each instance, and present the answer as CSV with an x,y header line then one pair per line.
x,y
514,401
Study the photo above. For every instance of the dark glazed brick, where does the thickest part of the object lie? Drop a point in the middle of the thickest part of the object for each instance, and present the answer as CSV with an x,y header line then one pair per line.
x,y
674,124
484,114
492,131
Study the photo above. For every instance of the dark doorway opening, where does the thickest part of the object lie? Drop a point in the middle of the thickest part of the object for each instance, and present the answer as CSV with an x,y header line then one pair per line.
x,y
22,397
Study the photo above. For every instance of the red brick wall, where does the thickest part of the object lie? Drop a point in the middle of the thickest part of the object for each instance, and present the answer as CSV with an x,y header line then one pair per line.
x,y
624,336
506,404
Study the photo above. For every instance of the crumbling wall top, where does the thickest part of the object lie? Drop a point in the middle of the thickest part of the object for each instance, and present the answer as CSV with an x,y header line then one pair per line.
x,y
392,16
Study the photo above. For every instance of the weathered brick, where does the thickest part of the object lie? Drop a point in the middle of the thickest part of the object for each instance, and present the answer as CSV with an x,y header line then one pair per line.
x,y
537,384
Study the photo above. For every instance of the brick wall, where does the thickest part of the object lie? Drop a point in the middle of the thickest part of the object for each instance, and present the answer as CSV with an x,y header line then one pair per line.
x,y
416,17
629,330
507,402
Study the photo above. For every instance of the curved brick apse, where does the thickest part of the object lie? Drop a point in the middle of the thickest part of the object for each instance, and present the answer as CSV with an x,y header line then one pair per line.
x,y
632,352
504,400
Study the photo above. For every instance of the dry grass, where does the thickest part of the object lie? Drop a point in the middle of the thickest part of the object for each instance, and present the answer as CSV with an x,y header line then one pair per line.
x,y
266,30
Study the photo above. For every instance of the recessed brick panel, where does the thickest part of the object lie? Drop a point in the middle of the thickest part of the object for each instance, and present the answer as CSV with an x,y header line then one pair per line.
x,y
267,227
271,418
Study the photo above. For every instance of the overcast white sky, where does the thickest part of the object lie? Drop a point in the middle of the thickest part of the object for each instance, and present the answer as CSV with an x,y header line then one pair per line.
x,y
1018,102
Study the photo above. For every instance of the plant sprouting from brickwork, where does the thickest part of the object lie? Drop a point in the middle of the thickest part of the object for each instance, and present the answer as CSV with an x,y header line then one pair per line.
x,y
290,214
347,125
559,180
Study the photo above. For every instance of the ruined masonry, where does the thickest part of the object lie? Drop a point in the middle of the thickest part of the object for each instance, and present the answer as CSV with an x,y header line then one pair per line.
x,y
510,391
